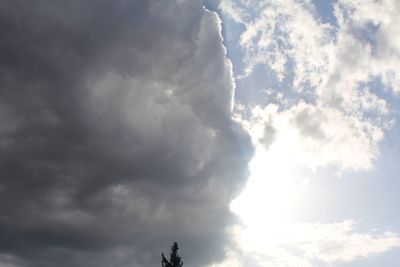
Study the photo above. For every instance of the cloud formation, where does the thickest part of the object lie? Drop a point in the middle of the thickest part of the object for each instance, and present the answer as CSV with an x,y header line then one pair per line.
x,y
328,68
312,244
327,109
116,134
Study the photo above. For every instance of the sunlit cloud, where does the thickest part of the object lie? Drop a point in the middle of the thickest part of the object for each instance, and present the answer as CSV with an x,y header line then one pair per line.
x,y
337,120
219,124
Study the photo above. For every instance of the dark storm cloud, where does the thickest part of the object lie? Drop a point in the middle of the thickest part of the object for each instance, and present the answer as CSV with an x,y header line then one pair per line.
x,y
116,135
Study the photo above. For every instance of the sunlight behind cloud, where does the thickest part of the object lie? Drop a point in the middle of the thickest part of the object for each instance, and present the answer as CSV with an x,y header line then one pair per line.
x,y
323,109
269,234
266,201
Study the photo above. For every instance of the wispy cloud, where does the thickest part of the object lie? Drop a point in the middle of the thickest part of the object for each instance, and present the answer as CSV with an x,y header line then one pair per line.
x,y
331,67
338,117
307,244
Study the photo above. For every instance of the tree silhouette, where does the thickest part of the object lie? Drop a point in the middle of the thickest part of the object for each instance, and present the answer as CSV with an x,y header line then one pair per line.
x,y
174,260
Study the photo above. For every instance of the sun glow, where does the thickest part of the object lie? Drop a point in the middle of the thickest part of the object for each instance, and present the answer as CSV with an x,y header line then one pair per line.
x,y
268,193
267,202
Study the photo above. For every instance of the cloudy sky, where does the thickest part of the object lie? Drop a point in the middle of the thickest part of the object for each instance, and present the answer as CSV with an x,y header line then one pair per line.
x,y
255,133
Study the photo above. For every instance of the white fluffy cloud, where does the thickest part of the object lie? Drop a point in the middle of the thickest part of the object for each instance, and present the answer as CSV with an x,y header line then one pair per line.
x,y
338,117
369,30
317,136
330,66
289,35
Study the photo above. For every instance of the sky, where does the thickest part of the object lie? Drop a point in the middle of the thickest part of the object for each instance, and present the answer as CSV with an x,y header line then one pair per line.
x,y
253,133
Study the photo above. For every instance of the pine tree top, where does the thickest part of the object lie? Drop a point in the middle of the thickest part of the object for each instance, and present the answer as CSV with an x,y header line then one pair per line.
x,y
175,260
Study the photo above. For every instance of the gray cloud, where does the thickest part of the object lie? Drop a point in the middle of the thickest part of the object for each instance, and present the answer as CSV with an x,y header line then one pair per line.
x,y
309,121
116,135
